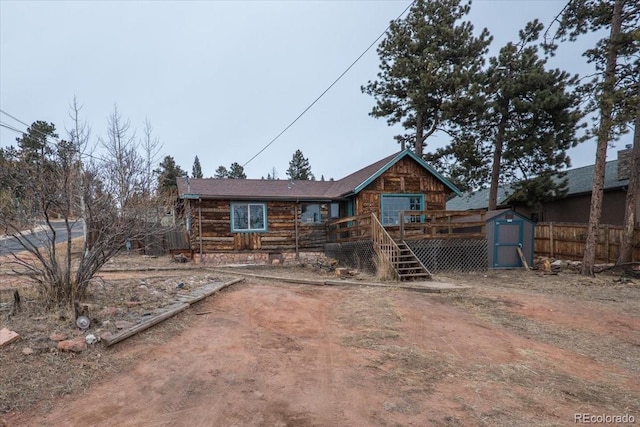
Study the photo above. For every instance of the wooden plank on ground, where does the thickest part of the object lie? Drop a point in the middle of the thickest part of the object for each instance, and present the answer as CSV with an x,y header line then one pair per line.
x,y
522,258
175,309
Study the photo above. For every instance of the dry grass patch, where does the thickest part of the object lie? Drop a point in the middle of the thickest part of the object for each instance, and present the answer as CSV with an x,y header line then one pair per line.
x,y
603,348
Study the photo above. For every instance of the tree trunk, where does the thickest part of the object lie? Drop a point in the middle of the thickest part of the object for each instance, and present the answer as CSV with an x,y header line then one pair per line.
x,y
419,144
604,134
630,214
495,167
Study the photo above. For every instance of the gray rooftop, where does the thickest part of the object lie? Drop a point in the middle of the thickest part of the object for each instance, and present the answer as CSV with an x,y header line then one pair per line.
x,y
579,181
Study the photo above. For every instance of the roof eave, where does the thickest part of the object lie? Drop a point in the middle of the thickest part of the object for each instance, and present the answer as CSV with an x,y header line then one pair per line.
x,y
268,198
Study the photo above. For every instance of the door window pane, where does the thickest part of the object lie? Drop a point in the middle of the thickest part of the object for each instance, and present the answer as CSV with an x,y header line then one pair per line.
x,y
393,205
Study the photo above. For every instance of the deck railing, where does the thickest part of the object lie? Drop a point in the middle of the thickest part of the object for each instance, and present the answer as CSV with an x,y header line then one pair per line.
x,y
349,229
386,248
412,225
440,224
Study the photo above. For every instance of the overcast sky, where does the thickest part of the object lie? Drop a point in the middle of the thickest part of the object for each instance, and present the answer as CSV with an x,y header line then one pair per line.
x,y
220,79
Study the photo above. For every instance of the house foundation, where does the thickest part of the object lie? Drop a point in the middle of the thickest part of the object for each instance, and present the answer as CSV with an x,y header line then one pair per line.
x,y
256,258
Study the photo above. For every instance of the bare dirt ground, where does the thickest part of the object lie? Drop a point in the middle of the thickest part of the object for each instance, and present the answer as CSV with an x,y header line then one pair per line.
x,y
518,348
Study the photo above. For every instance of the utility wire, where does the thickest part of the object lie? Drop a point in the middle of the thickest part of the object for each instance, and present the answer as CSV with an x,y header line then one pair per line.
x,y
37,130
330,86
7,126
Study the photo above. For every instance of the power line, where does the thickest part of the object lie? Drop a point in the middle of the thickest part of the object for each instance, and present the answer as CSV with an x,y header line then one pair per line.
x,y
330,86
58,140
8,126
34,129
13,117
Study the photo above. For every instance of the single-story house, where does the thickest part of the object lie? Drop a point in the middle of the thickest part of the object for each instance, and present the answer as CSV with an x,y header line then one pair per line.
x,y
242,220
575,205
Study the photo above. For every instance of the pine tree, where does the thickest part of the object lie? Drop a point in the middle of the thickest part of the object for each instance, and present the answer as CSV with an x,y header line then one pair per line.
x,y
196,170
524,121
613,90
168,174
221,172
428,60
236,171
299,168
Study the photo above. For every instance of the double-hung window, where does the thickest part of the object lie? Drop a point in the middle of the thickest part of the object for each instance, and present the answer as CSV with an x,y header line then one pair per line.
x,y
248,217
393,204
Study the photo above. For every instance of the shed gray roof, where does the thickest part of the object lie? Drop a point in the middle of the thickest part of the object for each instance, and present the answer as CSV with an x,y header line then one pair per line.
x,y
579,181
243,189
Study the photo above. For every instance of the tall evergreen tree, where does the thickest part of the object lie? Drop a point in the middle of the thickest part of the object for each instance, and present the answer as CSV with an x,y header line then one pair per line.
x,y
428,60
299,168
168,174
525,120
196,170
221,172
236,171
612,89
34,145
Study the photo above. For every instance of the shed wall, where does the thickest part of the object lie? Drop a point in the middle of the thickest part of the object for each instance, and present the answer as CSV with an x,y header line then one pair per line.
x,y
504,236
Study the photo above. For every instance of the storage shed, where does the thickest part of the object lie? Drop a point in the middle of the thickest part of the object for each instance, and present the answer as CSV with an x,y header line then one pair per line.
x,y
508,231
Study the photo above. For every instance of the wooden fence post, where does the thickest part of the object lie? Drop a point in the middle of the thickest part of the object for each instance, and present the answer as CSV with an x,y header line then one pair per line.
x,y
607,248
551,243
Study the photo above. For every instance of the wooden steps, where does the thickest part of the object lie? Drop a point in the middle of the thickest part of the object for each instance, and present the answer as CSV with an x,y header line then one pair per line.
x,y
399,255
408,266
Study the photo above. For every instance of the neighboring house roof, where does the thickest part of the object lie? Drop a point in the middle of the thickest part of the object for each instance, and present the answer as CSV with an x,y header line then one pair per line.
x,y
242,189
579,181
478,199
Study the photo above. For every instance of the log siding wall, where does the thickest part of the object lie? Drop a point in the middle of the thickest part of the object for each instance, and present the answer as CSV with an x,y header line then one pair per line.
x,y
215,218
404,177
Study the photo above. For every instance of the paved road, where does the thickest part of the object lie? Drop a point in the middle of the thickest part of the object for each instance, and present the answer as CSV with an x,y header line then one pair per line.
x,y
9,245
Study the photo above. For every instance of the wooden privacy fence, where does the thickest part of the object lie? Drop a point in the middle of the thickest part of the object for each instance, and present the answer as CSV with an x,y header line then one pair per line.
x,y
567,241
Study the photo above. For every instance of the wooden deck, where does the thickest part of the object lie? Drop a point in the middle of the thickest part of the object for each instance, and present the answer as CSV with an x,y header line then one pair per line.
x,y
394,255
413,225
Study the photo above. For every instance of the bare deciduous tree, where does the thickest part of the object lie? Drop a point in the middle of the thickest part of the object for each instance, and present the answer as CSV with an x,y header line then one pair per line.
x,y
56,189
151,147
123,170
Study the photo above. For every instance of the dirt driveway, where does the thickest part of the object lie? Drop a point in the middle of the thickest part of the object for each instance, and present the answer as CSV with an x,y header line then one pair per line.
x,y
517,349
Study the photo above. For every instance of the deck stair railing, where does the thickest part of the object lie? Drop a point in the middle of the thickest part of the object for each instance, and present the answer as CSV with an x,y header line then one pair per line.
x,y
398,256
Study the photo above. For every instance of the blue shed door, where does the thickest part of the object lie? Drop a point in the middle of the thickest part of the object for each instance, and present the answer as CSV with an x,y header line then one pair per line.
x,y
508,236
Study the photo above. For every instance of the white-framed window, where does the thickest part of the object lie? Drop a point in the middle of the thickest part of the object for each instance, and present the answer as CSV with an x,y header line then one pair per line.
x,y
248,216
393,204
